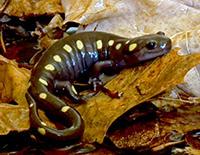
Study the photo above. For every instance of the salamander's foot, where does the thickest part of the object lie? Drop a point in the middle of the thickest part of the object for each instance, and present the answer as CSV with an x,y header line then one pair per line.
x,y
98,86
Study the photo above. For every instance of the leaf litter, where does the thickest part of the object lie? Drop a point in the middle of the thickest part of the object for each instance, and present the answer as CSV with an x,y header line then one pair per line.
x,y
138,84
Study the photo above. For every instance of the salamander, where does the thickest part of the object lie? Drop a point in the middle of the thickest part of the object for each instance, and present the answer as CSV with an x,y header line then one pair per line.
x,y
73,57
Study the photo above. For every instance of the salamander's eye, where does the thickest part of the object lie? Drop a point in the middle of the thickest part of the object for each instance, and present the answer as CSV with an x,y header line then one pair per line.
x,y
151,45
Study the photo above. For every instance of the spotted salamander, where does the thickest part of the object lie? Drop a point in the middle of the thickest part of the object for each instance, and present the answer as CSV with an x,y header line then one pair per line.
x,y
86,53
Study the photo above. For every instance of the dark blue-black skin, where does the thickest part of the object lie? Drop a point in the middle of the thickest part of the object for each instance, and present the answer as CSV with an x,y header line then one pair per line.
x,y
91,55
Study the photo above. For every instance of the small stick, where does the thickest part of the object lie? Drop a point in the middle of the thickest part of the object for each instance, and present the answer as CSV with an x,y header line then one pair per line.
x,y
5,4
180,100
2,42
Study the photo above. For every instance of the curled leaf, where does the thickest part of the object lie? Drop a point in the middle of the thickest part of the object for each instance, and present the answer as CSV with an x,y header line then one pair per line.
x,y
21,8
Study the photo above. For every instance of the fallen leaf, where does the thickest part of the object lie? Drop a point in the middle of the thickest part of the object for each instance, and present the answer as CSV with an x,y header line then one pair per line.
x,y
13,118
191,3
188,41
138,86
192,151
140,17
24,8
163,130
87,11
13,86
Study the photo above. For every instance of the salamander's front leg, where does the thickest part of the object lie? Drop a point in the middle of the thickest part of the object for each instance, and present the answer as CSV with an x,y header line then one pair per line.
x,y
66,88
98,68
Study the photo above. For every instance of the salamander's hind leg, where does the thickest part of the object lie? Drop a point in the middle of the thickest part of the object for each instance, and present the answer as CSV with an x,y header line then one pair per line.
x,y
67,88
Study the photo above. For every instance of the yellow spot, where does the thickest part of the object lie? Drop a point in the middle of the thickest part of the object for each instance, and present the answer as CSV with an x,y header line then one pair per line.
x,y
49,67
43,81
118,46
43,95
67,48
132,46
65,108
42,131
44,124
110,42
79,44
57,58
99,44
74,90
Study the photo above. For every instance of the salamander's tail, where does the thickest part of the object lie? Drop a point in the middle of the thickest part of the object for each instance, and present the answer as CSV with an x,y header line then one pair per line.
x,y
67,113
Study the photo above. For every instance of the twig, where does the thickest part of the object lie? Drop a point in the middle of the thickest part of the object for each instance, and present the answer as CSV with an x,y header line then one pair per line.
x,y
2,42
160,147
179,100
5,4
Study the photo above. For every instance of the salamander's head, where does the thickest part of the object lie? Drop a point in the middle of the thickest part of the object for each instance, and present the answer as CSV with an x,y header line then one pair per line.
x,y
146,47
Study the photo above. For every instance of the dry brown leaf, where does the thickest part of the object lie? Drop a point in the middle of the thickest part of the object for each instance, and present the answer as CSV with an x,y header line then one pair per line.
x,y
13,82
192,151
190,3
13,118
188,41
133,18
87,11
13,86
138,86
21,8
160,132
